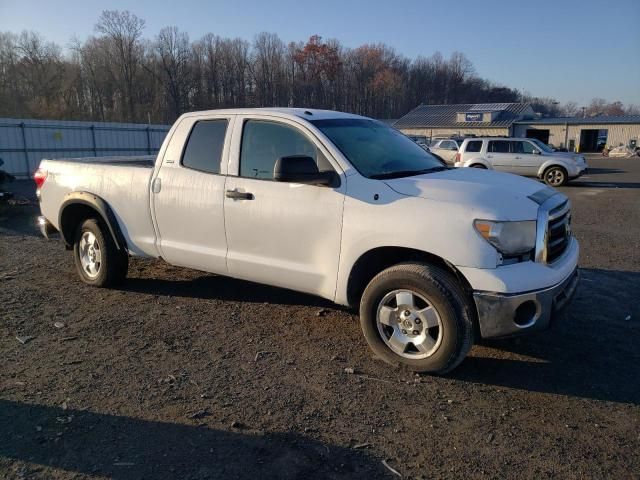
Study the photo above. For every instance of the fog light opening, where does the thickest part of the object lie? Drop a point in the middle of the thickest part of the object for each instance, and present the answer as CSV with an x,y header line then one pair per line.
x,y
526,314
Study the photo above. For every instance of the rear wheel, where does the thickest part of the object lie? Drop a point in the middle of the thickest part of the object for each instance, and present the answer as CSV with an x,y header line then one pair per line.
x,y
555,176
418,316
97,259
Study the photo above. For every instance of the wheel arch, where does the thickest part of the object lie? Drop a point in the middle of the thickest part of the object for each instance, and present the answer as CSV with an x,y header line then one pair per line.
x,y
551,163
478,160
77,207
373,261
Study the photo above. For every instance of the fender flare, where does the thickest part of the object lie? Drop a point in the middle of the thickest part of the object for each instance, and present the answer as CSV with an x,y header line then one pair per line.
x,y
101,207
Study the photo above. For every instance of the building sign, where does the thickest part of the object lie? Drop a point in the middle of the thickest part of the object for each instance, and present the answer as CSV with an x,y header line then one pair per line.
x,y
473,117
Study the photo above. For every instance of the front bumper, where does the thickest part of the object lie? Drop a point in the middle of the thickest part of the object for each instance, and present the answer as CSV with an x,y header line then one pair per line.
x,y
580,169
507,314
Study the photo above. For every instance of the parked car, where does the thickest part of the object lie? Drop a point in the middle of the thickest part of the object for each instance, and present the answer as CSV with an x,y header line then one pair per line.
x,y
420,140
446,148
522,156
335,205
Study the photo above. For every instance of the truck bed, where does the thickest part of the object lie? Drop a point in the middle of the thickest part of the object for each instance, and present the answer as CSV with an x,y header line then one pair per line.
x,y
122,182
145,161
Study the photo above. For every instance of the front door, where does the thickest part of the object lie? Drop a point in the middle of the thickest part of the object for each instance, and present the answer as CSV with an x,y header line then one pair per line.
x,y
188,196
527,158
278,233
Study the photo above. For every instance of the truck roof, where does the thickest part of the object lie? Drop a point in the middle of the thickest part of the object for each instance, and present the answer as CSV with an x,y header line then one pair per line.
x,y
306,113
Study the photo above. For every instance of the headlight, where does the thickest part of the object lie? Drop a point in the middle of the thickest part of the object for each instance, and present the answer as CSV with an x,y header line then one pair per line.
x,y
509,238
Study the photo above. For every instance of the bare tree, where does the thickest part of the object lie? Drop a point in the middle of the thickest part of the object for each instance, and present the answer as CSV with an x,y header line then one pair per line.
x,y
10,99
569,109
268,70
118,75
124,30
173,54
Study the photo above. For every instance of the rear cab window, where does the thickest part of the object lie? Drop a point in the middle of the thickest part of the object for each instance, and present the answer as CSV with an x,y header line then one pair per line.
x,y
203,151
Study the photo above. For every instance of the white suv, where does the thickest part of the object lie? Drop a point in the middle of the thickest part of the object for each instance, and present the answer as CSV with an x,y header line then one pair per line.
x,y
522,156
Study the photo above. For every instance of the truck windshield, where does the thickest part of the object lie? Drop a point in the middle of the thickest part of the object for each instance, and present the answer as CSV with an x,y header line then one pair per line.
x,y
377,150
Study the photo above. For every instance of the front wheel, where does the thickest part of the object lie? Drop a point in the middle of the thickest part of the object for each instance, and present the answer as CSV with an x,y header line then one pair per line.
x,y
417,315
98,260
555,176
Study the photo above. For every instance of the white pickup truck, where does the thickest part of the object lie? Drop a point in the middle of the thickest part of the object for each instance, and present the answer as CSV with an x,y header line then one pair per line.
x,y
331,204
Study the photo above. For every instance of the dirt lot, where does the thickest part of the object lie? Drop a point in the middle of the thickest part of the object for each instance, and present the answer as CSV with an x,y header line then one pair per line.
x,y
181,374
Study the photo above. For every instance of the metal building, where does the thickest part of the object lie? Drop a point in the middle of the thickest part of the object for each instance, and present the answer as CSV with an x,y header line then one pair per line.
x,y
590,134
23,143
482,119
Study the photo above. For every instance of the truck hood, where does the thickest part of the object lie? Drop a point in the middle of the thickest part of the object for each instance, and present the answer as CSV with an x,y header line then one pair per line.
x,y
487,194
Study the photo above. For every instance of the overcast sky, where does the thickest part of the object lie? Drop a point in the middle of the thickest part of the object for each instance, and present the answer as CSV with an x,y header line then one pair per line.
x,y
568,49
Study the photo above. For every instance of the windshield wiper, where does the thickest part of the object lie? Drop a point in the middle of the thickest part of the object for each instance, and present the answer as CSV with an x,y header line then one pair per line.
x,y
406,173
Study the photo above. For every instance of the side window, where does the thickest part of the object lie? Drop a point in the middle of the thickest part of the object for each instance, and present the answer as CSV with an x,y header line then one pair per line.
x,y
474,146
498,146
204,146
527,147
264,142
449,145
516,147
522,147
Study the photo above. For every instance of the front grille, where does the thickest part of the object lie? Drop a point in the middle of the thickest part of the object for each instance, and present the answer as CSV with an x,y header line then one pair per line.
x,y
558,231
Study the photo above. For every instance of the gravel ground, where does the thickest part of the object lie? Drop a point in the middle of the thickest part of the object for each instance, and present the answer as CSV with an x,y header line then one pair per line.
x,y
181,374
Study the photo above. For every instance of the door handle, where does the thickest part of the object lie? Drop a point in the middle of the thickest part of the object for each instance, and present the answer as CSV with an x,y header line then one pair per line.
x,y
156,185
518,158
236,195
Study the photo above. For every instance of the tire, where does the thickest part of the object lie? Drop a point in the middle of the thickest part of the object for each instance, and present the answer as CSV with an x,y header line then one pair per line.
x,y
555,176
478,165
434,290
98,261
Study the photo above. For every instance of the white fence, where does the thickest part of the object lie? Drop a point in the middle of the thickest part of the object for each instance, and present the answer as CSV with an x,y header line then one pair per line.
x,y
23,143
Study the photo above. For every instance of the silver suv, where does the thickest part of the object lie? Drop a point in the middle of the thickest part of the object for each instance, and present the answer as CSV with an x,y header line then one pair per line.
x,y
522,156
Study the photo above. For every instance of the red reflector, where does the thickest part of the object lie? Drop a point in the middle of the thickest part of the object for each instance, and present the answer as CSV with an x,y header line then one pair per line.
x,y
39,177
457,157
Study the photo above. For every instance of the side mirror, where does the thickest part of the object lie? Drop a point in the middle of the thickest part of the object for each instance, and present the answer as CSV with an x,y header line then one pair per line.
x,y
536,152
303,169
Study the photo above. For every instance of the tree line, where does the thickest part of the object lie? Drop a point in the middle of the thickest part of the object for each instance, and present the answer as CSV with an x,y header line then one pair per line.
x,y
119,75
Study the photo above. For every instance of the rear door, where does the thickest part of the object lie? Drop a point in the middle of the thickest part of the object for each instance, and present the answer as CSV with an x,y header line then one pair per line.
x,y
188,194
500,156
282,234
